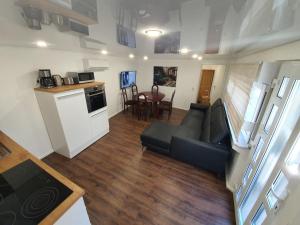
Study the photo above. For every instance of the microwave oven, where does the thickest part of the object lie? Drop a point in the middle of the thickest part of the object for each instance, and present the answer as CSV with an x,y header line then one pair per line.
x,y
84,77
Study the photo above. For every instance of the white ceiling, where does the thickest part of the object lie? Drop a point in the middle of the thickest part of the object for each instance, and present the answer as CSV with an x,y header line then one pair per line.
x,y
223,27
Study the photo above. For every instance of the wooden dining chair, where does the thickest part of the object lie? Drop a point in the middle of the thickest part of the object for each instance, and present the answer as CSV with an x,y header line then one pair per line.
x,y
154,89
167,105
143,107
134,91
127,102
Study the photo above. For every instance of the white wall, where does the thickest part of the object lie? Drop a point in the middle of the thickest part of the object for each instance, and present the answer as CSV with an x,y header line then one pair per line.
x,y
284,52
20,116
188,80
218,82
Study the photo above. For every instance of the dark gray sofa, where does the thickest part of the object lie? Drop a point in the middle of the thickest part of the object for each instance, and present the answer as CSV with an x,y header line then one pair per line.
x,y
202,139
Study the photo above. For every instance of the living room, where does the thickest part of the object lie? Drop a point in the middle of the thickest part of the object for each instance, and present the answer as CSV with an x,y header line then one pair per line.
x,y
180,151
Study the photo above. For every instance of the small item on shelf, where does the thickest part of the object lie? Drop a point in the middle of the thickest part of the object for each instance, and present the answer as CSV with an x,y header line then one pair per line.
x,y
68,80
58,81
76,80
45,79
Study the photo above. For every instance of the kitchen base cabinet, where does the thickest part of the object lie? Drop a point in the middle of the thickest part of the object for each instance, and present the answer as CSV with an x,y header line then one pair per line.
x,y
99,123
70,127
76,215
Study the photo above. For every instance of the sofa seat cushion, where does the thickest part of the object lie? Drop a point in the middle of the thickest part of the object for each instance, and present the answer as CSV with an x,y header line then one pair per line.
x,y
158,134
191,125
187,132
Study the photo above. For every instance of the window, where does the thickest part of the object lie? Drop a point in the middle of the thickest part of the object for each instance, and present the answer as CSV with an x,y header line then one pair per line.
x,y
247,175
280,186
256,99
272,200
271,118
237,97
258,149
278,141
283,87
293,159
278,190
260,216
238,194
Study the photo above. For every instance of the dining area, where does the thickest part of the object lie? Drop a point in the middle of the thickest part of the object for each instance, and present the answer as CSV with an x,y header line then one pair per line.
x,y
147,104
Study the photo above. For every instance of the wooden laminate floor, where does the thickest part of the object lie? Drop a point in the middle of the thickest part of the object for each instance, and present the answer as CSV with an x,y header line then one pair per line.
x,y
127,186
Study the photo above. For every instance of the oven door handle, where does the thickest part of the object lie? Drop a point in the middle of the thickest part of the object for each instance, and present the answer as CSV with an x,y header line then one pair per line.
x,y
99,93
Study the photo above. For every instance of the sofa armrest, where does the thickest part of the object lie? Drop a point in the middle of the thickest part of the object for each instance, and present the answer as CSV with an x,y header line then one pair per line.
x,y
199,106
201,154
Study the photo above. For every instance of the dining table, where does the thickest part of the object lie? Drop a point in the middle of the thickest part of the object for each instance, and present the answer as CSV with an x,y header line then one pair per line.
x,y
155,98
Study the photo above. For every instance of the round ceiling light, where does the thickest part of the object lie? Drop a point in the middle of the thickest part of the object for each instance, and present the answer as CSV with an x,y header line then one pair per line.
x,y
131,56
200,58
104,52
154,32
195,56
146,58
42,44
184,51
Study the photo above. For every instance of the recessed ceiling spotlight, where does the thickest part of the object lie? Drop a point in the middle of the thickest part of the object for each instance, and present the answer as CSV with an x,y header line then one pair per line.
x,y
131,56
153,32
146,58
41,44
195,56
104,52
200,58
184,51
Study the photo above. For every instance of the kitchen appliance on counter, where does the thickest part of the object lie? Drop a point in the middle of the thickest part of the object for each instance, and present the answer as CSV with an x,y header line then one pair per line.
x,y
84,77
45,78
95,98
58,81
68,80
28,194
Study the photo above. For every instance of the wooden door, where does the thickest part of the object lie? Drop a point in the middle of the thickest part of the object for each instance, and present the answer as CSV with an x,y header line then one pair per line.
x,y
205,86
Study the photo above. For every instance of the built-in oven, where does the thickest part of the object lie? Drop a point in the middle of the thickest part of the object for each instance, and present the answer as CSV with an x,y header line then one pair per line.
x,y
95,98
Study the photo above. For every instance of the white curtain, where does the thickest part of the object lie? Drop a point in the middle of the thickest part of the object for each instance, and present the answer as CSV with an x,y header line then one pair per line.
x,y
241,78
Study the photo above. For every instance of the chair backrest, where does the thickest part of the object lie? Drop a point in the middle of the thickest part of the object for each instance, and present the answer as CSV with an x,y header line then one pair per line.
x,y
154,89
142,99
124,94
134,90
173,94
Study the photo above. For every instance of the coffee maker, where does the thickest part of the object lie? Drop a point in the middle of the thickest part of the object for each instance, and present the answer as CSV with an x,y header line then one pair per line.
x,y
45,78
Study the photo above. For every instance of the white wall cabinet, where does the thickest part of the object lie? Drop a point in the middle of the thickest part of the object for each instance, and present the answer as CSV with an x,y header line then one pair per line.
x,y
70,127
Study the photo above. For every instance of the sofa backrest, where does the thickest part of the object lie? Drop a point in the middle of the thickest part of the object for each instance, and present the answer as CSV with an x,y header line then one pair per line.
x,y
219,131
216,104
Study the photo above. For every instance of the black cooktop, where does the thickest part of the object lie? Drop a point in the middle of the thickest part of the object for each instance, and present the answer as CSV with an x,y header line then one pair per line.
x,y
28,194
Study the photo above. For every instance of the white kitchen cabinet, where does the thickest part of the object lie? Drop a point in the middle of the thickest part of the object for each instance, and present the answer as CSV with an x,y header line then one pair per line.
x,y
70,127
99,123
75,123
76,215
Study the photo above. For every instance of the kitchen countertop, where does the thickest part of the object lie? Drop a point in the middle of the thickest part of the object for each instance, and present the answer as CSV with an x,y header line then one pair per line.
x,y
69,87
18,155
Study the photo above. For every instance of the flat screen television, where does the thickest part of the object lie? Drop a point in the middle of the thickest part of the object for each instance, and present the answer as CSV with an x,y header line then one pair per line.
x,y
127,78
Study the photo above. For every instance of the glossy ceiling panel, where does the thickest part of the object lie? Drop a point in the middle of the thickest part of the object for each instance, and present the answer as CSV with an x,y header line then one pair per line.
x,y
220,27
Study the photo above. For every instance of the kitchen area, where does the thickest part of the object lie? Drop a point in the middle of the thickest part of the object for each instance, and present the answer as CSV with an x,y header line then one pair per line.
x,y
75,116
31,192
